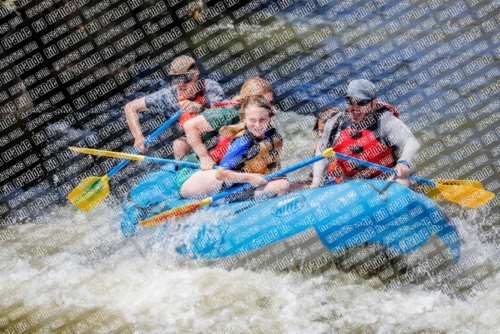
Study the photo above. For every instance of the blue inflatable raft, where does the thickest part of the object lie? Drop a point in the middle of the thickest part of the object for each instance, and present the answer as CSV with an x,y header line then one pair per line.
x,y
374,227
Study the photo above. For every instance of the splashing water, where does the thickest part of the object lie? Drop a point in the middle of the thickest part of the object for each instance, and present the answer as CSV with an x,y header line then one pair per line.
x,y
78,272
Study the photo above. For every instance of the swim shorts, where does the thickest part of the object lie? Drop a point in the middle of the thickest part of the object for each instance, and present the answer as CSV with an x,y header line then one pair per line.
x,y
184,172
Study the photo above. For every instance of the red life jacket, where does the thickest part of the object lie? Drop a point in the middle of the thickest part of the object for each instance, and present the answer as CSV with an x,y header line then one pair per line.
x,y
332,168
220,149
200,99
365,144
382,105
229,103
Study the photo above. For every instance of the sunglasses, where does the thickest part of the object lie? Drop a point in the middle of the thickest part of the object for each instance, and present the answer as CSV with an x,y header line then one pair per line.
x,y
360,103
186,77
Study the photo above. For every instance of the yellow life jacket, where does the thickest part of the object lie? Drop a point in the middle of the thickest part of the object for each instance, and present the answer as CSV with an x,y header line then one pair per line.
x,y
262,155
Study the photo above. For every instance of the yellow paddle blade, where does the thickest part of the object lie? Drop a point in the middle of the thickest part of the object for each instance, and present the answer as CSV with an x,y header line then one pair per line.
x,y
469,197
329,152
88,193
108,153
175,212
469,183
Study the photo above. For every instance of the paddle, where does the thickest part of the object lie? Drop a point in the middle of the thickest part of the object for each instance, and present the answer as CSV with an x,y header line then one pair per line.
x,y
93,189
129,156
190,207
121,155
469,183
456,192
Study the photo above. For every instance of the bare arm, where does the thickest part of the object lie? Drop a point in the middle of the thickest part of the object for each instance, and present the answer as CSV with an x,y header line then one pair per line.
x,y
194,128
131,114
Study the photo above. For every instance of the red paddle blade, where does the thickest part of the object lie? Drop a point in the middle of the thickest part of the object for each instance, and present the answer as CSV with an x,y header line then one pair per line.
x,y
172,213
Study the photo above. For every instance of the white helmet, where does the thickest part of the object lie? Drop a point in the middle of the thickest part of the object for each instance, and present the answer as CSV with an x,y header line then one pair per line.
x,y
361,88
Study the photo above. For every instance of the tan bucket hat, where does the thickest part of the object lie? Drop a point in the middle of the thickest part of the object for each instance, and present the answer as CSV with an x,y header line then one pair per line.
x,y
181,65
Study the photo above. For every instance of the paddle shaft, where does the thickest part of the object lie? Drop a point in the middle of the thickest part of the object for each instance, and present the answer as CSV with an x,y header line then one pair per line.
x,y
175,162
148,140
268,177
190,207
384,169
137,157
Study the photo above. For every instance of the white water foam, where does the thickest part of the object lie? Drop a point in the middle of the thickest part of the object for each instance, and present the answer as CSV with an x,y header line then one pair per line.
x,y
80,261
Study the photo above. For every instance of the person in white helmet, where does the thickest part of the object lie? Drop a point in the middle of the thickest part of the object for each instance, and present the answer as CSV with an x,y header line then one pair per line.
x,y
371,131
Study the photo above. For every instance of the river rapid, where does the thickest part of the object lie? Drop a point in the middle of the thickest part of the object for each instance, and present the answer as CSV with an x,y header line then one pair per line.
x,y
79,274
68,271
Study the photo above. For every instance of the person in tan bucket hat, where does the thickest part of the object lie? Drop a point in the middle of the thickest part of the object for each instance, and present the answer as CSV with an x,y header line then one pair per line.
x,y
187,92
181,65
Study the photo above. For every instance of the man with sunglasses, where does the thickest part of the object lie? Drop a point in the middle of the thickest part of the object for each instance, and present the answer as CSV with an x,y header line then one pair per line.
x,y
371,131
186,92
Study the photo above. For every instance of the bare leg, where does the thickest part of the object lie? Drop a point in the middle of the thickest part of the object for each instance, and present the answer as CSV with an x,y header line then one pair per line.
x,y
181,148
194,129
274,187
201,185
